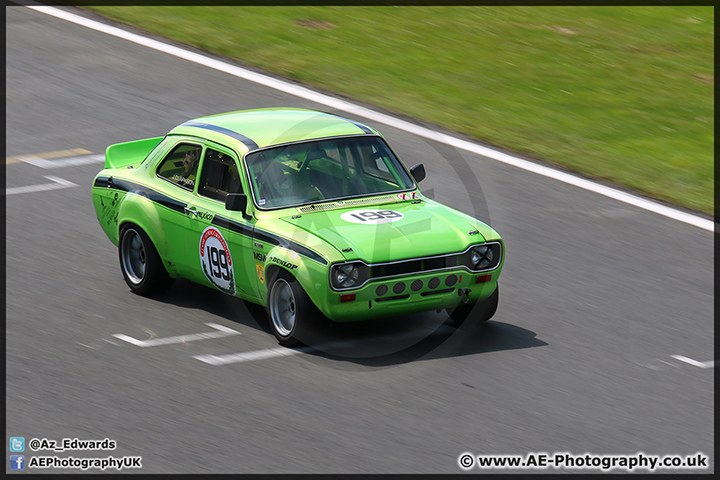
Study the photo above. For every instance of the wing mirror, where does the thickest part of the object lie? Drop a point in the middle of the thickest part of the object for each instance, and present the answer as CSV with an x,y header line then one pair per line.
x,y
237,202
418,172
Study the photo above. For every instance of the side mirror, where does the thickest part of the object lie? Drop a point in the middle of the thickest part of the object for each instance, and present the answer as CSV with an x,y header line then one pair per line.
x,y
418,172
237,202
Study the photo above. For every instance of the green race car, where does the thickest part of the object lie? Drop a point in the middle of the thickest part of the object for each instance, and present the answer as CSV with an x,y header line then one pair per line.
x,y
300,211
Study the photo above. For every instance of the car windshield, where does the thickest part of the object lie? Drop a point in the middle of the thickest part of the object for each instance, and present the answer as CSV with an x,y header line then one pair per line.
x,y
325,170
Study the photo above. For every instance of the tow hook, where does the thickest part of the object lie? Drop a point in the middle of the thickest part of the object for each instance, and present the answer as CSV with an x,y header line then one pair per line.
x,y
466,293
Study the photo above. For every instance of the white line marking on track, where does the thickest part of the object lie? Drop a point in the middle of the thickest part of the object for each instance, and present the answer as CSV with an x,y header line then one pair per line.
x,y
694,363
342,105
250,356
65,162
57,184
223,332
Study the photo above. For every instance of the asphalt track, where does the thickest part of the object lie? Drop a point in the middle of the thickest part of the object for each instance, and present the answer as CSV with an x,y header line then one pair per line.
x,y
602,344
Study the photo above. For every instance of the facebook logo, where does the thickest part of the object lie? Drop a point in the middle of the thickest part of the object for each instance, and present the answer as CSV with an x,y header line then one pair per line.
x,y
17,444
17,462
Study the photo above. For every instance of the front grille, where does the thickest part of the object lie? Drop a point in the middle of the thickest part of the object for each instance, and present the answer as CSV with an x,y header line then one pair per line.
x,y
414,266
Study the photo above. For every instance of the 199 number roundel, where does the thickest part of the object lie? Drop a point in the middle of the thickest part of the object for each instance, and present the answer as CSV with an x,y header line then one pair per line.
x,y
372,217
216,261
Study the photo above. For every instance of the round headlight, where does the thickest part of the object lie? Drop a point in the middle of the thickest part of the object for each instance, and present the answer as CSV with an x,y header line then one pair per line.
x,y
346,275
481,257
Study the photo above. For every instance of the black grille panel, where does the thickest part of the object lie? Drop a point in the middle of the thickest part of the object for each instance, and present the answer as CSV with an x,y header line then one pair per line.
x,y
415,266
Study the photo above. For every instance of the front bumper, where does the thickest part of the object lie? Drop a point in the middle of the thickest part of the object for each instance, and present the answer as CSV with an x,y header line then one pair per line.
x,y
409,294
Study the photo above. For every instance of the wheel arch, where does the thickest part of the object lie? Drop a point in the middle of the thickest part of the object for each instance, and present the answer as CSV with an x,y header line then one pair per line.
x,y
138,210
282,259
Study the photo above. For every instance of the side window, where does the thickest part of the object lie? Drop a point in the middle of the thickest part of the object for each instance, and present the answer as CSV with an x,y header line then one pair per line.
x,y
181,165
219,176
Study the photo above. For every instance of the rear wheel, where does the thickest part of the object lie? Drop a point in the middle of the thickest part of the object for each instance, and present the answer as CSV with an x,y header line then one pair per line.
x,y
140,262
481,311
290,310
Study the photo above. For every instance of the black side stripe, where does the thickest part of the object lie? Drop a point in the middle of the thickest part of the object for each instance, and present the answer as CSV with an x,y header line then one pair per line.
x,y
268,238
233,226
231,133
273,239
149,193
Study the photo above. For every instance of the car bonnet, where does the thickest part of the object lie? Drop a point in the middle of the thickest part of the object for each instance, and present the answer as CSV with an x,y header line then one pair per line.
x,y
383,233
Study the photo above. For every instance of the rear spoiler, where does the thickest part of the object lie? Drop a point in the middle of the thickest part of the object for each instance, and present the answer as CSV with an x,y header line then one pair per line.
x,y
129,153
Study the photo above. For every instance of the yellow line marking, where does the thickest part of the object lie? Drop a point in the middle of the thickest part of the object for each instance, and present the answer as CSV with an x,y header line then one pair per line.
x,y
49,155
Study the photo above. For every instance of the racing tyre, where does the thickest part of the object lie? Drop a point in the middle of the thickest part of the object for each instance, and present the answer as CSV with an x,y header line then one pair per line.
x,y
290,310
482,310
140,262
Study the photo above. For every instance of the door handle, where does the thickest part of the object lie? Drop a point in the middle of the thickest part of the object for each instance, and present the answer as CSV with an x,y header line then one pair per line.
x,y
189,209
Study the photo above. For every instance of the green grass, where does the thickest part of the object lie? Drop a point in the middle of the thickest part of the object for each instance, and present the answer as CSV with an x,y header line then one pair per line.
x,y
620,93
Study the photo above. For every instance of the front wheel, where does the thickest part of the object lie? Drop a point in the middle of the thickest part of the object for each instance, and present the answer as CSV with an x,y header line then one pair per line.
x,y
140,262
482,310
289,309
